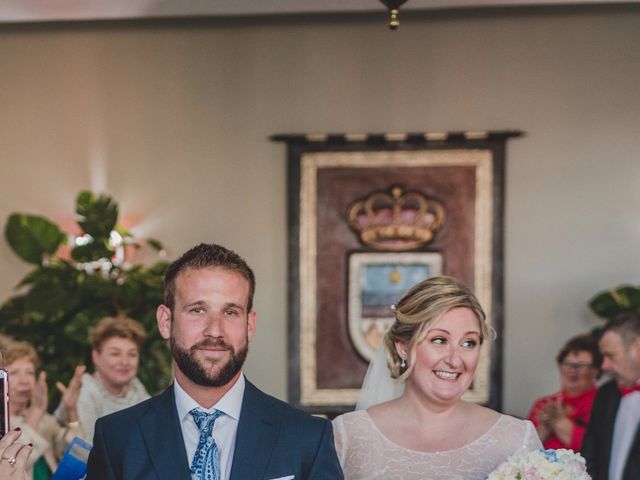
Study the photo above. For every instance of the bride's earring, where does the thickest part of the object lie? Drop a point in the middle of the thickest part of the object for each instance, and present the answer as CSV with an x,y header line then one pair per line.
x,y
403,363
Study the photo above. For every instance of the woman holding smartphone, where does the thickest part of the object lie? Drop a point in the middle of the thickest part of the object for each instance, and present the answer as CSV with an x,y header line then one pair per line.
x,y
13,456
28,403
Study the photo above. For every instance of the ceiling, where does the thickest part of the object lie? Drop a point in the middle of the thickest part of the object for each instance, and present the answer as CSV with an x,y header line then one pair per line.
x,y
72,10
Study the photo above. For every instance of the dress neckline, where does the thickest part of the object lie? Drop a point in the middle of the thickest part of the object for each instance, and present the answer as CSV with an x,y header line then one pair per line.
x,y
435,452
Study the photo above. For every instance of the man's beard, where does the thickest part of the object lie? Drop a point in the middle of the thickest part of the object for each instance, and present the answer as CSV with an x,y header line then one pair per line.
x,y
218,374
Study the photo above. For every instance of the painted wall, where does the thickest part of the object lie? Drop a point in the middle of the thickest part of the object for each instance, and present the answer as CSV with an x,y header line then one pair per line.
x,y
173,119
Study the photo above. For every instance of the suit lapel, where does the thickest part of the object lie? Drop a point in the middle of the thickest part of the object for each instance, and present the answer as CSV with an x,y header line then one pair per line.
x,y
256,437
163,438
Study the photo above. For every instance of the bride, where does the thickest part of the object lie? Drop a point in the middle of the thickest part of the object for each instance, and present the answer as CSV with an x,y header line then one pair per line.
x,y
429,432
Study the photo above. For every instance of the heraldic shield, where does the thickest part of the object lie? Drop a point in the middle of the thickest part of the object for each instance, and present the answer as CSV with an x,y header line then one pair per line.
x,y
377,280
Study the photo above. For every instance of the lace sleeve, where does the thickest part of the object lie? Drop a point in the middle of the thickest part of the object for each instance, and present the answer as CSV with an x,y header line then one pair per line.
x,y
339,437
531,438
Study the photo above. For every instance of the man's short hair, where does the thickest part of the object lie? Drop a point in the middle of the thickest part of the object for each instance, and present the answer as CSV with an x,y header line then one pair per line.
x,y
207,255
120,327
627,325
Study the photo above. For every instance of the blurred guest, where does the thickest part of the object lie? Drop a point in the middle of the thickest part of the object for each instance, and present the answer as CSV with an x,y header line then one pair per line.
x,y
116,343
561,419
13,457
28,402
611,445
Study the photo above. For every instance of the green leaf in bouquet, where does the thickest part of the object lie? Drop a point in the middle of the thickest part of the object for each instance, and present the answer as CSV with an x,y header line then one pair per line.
x,y
99,215
33,237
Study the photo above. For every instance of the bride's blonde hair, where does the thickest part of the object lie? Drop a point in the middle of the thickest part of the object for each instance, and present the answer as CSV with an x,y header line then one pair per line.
x,y
419,309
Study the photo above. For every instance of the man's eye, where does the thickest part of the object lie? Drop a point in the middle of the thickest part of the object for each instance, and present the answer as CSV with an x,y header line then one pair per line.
x,y
197,310
232,313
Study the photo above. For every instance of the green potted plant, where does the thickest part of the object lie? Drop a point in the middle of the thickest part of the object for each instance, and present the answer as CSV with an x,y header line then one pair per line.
x,y
77,280
607,304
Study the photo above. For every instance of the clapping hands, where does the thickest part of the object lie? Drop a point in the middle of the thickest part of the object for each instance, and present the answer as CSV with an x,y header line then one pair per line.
x,y
71,392
553,411
40,397
39,401
554,417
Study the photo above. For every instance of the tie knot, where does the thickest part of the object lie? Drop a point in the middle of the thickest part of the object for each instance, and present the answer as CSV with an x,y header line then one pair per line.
x,y
204,420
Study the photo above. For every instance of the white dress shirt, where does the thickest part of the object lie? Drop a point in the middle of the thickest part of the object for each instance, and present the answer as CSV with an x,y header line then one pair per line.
x,y
624,430
225,428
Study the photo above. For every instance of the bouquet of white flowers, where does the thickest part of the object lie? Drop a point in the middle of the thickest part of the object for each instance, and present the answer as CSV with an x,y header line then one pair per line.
x,y
558,464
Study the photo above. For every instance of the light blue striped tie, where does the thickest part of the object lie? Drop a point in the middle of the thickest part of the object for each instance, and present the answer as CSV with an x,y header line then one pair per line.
x,y
206,461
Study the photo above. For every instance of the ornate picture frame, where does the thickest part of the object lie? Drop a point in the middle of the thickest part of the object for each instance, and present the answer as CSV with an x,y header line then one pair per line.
x,y
432,201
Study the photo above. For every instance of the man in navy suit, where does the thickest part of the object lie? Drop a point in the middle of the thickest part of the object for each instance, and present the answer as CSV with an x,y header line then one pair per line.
x,y
207,317
611,445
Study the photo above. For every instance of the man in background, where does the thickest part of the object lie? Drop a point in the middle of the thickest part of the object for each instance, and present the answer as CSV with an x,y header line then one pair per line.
x,y
212,423
611,445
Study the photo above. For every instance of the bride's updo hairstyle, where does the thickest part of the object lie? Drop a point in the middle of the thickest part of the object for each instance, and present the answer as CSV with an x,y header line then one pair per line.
x,y
420,308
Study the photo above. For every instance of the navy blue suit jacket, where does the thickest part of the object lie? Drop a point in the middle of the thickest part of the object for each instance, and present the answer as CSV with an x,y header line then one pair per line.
x,y
596,445
274,440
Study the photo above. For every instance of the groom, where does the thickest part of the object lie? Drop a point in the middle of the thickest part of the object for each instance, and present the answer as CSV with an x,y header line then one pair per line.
x,y
212,423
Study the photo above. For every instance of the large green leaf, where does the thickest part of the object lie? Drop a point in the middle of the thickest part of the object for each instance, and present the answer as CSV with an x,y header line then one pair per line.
x,y
99,214
33,237
609,303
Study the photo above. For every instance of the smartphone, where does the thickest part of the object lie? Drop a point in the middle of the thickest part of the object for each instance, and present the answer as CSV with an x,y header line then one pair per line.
x,y
4,402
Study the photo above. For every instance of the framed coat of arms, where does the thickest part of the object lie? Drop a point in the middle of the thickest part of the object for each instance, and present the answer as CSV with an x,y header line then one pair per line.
x,y
370,216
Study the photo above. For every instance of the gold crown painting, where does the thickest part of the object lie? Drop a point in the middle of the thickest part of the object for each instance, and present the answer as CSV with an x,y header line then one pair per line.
x,y
396,220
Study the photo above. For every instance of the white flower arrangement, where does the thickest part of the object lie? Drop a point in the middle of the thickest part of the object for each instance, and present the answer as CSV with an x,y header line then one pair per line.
x,y
561,464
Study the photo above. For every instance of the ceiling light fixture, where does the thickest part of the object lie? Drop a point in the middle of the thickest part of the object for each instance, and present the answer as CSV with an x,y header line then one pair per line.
x,y
394,7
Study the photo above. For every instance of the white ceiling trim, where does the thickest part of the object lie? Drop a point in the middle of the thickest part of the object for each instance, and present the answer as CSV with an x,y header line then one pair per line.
x,y
74,10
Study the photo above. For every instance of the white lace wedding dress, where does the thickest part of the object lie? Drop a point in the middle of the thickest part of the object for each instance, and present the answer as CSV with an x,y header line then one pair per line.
x,y
365,453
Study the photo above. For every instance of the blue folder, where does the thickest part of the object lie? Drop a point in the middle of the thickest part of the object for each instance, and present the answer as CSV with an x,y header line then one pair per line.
x,y
73,465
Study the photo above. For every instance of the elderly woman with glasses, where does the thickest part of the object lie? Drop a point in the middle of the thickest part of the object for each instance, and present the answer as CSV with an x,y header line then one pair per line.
x,y
561,419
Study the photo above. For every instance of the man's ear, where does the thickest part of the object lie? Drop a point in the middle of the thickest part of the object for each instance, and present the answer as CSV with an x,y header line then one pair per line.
x,y
251,325
163,318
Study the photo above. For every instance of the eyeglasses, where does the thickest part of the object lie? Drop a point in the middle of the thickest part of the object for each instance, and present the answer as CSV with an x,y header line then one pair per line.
x,y
575,366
